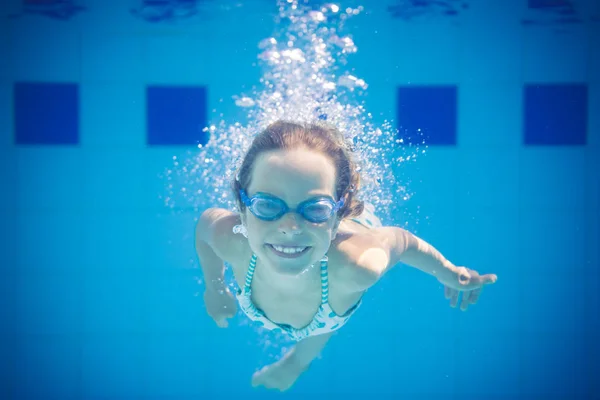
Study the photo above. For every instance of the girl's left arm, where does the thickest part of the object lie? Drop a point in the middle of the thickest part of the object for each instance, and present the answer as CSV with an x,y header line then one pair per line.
x,y
406,248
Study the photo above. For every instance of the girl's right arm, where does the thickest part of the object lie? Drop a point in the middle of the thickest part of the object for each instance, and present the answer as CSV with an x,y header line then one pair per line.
x,y
216,243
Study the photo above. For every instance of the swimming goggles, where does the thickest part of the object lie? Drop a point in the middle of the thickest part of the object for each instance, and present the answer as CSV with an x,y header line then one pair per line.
x,y
271,208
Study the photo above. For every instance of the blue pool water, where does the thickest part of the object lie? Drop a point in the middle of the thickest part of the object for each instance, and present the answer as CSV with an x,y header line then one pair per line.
x,y
103,107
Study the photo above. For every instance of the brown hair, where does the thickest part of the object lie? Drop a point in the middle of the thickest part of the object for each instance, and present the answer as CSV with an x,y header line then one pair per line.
x,y
285,135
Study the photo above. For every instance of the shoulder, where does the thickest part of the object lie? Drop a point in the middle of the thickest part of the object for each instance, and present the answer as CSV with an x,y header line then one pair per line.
x,y
364,257
215,227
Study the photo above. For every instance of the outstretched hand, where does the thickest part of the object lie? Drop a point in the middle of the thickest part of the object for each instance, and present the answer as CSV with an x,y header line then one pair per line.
x,y
470,283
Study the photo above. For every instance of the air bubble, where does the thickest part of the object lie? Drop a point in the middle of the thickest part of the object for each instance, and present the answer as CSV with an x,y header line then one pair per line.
x,y
310,85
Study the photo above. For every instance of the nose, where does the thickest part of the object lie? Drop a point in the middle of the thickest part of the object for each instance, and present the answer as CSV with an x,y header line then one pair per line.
x,y
289,225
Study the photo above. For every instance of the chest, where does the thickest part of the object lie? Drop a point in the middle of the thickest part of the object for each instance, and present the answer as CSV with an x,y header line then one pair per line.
x,y
295,306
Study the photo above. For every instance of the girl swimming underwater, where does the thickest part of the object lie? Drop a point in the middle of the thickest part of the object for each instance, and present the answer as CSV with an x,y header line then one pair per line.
x,y
303,249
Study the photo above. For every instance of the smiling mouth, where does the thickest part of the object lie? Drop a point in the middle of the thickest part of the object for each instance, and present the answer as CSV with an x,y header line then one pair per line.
x,y
289,251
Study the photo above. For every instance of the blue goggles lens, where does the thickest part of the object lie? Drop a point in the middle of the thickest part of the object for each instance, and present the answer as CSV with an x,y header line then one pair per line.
x,y
269,208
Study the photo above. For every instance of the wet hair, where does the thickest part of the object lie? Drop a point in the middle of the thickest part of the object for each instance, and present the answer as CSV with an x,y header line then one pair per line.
x,y
321,137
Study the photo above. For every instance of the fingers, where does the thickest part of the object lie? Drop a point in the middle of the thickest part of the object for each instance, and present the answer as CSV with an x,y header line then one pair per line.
x,y
474,295
465,301
256,381
260,378
222,323
452,295
468,297
220,320
453,298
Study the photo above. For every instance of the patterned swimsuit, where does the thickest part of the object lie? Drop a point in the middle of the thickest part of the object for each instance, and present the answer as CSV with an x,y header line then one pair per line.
x,y
324,321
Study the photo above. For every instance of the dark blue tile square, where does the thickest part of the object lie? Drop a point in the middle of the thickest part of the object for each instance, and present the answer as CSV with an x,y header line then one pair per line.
x,y
555,114
176,115
46,113
430,109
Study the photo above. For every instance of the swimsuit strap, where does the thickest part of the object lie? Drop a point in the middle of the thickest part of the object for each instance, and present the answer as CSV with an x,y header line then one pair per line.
x,y
324,280
250,273
324,277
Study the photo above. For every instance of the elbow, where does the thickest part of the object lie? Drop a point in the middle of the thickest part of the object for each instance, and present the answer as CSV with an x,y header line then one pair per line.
x,y
406,248
405,241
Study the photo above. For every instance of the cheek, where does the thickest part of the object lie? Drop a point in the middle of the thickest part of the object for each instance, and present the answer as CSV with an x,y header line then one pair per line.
x,y
255,239
256,231
324,235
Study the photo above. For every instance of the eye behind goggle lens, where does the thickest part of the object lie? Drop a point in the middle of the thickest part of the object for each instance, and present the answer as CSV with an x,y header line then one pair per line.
x,y
267,208
319,211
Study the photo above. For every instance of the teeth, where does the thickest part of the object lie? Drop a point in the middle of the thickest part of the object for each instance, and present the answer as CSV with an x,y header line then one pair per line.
x,y
288,250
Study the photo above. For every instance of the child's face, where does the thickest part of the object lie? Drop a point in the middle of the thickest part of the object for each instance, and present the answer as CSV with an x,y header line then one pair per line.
x,y
293,176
